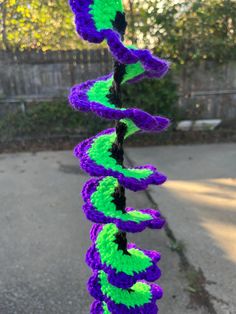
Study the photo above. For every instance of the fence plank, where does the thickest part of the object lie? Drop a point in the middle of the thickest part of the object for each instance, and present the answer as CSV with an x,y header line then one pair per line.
x,y
207,91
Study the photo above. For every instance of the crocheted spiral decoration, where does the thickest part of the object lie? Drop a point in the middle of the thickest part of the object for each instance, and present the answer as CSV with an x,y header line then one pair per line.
x,y
121,270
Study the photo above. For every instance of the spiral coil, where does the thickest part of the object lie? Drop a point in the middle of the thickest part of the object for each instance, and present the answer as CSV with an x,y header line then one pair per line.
x,y
121,270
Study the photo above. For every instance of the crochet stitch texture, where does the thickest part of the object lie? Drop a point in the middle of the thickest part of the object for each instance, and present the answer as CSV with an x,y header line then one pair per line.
x,y
121,270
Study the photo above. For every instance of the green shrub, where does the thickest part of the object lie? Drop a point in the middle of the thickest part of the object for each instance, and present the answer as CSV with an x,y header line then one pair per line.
x,y
58,118
45,119
155,96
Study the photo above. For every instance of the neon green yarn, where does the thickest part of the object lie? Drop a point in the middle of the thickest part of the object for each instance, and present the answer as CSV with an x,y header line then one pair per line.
x,y
105,308
98,92
99,152
129,264
140,295
131,127
102,201
133,70
104,12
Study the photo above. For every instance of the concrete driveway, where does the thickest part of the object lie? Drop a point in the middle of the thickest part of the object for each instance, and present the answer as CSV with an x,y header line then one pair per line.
x,y
199,201
44,234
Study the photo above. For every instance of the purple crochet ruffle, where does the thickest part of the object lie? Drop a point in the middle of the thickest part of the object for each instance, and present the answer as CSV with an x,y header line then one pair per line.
x,y
121,279
91,167
157,222
96,308
102,156
86,28
79,100
150,308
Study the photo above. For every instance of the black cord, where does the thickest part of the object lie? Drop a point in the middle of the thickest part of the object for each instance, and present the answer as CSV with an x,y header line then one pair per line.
x,y
117,151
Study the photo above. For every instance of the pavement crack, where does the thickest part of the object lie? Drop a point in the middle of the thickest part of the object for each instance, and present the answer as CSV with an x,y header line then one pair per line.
x,y
199,296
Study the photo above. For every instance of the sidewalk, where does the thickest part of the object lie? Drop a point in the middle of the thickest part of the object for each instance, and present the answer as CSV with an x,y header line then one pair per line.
x,y
199,201
44,237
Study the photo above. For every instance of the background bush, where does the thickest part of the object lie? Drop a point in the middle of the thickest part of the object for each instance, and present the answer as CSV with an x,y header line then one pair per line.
x,y
58,118
47,119
154,96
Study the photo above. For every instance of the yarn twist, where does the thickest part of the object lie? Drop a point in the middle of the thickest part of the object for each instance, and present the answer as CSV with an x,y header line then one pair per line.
x,y
121,270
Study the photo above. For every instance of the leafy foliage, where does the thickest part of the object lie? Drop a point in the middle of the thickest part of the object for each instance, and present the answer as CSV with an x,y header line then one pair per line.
x,y
186,30
180,30
47,119
37,24
154,96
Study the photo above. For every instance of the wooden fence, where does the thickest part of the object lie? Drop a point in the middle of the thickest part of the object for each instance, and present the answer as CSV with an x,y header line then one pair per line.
x,y
206,91
37,75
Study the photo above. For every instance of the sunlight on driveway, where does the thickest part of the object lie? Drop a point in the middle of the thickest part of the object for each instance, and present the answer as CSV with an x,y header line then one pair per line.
x,y
206,196
225,235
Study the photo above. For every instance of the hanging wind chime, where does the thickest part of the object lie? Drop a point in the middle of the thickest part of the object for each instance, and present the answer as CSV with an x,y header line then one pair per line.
x,y
121,270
